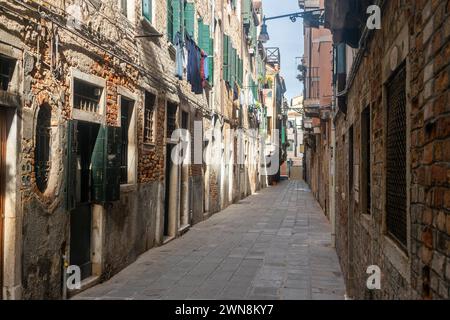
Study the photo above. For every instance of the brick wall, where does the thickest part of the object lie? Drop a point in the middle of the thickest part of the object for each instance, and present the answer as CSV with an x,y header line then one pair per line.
x,y
422,269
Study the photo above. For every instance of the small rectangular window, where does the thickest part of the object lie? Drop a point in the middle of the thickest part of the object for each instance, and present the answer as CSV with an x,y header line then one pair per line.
x,y
86,96
6,71
366,160
396,158
149,117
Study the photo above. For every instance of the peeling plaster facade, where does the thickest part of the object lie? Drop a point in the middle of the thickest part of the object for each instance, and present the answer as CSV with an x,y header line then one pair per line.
x,y
101,49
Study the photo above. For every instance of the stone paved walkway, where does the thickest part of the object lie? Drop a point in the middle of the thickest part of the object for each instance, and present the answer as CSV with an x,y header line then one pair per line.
x,y
272,245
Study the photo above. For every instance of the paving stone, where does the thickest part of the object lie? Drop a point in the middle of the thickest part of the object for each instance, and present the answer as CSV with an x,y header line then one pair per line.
x,y
274,245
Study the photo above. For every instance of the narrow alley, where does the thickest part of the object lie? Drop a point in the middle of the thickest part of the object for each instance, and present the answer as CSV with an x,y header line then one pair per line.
x,y
273,245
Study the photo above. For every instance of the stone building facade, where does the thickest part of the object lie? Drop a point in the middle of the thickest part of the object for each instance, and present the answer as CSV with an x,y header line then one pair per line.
x,y
392,132
88,105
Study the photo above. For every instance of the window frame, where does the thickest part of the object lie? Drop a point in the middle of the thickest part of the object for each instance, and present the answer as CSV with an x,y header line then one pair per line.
x,y
123,93
152,142
365,175
48,147
151,19
78,114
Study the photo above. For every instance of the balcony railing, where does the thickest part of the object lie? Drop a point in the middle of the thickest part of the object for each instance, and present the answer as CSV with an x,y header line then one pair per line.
x,y
86,103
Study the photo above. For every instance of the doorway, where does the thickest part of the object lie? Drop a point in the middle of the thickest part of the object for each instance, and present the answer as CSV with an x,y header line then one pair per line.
x,y
2,190
81,215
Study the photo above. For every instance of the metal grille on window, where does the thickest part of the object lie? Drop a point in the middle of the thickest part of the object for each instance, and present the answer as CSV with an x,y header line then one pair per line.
x,y
396,157
149,110
42,148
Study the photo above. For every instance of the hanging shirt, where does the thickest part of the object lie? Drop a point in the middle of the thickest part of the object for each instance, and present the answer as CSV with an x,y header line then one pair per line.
x,y
194,76
179,58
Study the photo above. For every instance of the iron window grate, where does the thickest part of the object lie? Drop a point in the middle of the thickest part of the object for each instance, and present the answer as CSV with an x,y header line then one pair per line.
x,y
396,157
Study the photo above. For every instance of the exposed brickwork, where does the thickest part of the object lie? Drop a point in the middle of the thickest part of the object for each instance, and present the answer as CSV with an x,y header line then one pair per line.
x,y
421,270
106,49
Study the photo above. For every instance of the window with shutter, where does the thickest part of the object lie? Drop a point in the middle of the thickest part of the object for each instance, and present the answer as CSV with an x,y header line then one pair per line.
x,y
232,66
189,16
147,9
106,165
211,62
176,19
246,11
71,165
230,59
199,32
225,57
205,40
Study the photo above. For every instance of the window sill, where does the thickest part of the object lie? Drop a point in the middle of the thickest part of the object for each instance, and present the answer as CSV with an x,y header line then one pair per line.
x,y
149,145
128,187
149,25
397,256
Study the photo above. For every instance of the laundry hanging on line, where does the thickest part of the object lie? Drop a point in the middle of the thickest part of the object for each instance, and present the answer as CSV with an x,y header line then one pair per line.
x,y
193,61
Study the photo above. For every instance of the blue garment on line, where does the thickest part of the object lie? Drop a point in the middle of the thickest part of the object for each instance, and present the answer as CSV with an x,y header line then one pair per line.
x,y
193,72
179,45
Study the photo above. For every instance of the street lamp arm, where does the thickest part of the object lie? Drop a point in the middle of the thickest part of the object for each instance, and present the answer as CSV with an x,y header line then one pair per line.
x,y
295,15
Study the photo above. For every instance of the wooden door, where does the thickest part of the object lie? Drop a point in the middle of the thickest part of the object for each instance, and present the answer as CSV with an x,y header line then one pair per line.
x,y
2,190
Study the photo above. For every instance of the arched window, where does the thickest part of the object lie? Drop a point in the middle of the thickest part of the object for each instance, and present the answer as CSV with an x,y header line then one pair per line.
x,y
42,148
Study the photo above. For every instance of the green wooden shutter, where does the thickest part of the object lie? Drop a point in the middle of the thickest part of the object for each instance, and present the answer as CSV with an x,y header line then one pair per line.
x,y
234,65
113,156
230,60
199,32
98,166
71,165
176,15
211,62
246,11
205,40
106,165
231,66
147,9
240,73
189,16
225,57
169,21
